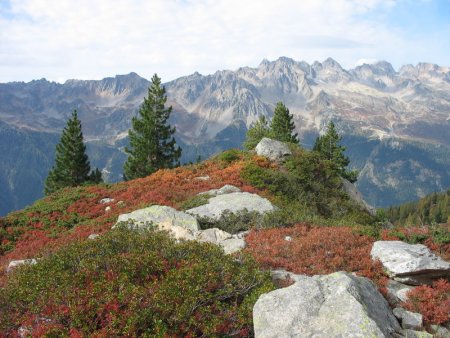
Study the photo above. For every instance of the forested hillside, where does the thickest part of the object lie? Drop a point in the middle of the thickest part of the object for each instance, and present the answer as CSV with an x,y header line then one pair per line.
x,y
434,208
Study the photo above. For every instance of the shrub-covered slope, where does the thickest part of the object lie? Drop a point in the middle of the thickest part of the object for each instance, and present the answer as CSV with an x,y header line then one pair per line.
x,y
137,284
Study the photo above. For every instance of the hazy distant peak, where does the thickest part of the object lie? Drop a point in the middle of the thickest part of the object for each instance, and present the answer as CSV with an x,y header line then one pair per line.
x,y
331,63
264,63
379,68
285,59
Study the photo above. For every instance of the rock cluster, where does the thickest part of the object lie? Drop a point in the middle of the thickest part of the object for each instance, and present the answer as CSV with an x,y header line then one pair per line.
x,y
184,225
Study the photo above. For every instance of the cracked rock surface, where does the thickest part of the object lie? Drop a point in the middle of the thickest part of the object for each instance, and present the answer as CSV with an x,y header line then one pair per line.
x,y
335,305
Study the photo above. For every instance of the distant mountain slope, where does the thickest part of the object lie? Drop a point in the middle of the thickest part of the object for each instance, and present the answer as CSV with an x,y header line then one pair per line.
x,y
373,104
433,208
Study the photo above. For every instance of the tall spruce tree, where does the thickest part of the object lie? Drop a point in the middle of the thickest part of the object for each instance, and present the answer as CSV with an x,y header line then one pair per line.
x,y
259,130
152,145
72,166
328,145
282,127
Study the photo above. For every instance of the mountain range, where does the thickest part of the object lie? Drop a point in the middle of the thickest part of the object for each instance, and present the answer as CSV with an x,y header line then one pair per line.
x,y
396,124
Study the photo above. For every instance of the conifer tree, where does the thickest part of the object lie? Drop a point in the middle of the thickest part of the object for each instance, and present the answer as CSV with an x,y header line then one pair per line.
x,y
283,126
259,130
72,166
328,145
152,145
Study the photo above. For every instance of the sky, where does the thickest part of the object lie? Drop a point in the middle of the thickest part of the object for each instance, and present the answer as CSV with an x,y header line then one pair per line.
x,y
93,39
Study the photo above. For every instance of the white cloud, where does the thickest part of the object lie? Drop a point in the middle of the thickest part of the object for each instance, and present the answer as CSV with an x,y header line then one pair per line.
x,y
66,39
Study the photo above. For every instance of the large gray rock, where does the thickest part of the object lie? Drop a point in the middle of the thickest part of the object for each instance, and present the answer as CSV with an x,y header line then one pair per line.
x,y
233,202
179,224
412,264
357,197
272,149
335,305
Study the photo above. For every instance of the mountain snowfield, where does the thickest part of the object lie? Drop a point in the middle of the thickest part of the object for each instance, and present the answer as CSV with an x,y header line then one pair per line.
x,y
396,124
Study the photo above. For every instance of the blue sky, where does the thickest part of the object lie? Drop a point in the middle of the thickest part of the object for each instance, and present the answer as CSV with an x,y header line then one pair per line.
x,y
91,39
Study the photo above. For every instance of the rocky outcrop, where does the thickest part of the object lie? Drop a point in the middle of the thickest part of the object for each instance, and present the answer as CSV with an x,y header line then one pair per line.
x,y
180,226
14,264
335,305
178,223
233,202
412,264
357,197
226,189
272,149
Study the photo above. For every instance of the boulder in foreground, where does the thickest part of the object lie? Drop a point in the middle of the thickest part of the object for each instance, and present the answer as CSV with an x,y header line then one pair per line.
x,y
412,264
335,305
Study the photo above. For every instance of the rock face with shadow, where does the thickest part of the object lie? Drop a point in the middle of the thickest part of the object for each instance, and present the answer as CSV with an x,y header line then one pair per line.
x,y
335,305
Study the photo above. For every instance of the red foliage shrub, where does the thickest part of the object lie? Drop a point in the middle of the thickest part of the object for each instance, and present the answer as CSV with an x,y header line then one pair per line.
x,y
315,250
76,213
433,302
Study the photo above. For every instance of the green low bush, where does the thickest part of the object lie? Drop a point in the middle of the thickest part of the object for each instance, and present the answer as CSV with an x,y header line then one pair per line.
x,y
233,222
306,188
195,201
134,283
229,156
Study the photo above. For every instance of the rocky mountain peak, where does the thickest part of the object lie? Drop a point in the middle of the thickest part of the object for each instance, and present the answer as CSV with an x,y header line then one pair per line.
x,y
331,63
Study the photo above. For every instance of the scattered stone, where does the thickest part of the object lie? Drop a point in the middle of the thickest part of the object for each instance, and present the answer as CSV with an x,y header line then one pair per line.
x,y
24,331
272,149
335,305
202,178
213,235
233,245
288,238
14,264
396,292
409,320
412,264
281,276
178,223
121,204
106,200
93,236
440,331
398,312
108,209
357,197
228,242
412,320
241,234
233,202
226,189
414,334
